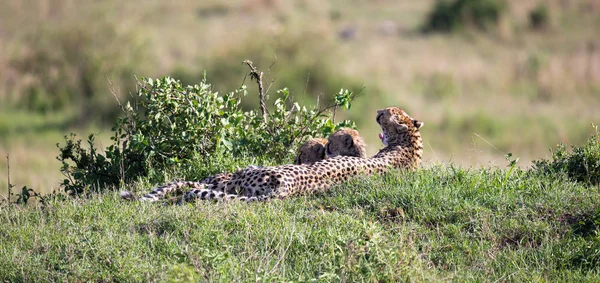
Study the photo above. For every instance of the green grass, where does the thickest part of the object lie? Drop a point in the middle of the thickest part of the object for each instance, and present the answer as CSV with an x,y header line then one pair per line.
x,y
441,223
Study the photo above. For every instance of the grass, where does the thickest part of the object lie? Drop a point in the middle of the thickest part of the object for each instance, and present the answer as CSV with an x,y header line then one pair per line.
x,y
480,95
443,223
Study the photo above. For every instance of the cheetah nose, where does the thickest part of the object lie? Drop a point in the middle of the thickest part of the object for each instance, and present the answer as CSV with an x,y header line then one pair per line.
x,y
381,136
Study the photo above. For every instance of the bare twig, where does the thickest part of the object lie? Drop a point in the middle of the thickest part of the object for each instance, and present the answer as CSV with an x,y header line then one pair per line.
x,y
269,72
306,84
257,76
334,110
114,93
8,176
318,100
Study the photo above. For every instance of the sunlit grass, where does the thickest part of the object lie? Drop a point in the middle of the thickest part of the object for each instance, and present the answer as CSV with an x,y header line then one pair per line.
x,y
441,223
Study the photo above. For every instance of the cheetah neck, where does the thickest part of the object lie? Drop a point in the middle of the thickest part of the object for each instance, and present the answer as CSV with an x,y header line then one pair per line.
x,y
405,152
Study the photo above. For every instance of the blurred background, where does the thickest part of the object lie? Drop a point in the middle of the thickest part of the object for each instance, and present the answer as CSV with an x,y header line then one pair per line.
x,y
487,77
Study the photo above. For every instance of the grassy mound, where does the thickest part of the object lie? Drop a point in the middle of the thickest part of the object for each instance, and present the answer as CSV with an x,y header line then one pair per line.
x,y
434,224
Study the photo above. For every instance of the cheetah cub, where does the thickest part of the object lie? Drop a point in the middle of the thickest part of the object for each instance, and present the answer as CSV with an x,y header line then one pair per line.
x,y
344,142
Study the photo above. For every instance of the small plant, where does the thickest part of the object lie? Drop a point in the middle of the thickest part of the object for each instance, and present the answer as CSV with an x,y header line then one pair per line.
x,y
452,16
174,126
581,164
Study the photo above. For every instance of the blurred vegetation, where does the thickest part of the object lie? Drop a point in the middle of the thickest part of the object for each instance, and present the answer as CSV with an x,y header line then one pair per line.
x,y
58,67
296,62
519,76
581,164
448,16
539,18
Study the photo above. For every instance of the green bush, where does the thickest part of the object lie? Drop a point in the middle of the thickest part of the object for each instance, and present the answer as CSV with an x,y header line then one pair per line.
x,y
174,126
451,16
539,18
581,164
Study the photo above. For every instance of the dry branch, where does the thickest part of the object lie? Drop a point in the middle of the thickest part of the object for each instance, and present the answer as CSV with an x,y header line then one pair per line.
x,y
257,76
8,177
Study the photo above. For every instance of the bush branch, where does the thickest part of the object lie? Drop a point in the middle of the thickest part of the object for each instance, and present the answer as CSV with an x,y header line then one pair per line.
x,y
257,76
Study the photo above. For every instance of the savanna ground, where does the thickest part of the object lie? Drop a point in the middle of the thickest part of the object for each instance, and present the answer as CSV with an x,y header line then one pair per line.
x,y
481,94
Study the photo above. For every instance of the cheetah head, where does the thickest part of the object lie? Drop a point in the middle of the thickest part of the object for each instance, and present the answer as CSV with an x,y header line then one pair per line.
x,y
311,151
346,142
396,125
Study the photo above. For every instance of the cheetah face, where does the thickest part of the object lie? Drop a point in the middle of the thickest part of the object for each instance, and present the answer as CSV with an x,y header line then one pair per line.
x,y
311,152
395,124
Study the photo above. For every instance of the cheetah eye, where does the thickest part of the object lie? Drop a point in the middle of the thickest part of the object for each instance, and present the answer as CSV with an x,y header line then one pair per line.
x,y
378,118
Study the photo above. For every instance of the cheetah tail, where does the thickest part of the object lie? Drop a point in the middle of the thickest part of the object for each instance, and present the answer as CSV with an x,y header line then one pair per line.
x,y
128,195
160,192
208,194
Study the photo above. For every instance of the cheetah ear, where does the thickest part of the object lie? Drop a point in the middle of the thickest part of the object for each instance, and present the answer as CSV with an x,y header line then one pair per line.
x,y
349,142
418,124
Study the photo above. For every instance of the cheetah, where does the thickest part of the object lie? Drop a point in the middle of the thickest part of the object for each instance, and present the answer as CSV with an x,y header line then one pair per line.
x,y
311,151
403,150
343,142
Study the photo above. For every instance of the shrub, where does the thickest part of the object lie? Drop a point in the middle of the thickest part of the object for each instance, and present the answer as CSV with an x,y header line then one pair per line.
x,y
174,126
539,18
581,164
451,16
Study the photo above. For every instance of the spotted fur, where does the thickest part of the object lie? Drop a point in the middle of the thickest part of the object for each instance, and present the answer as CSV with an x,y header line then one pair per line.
x,y
403,150
309,153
